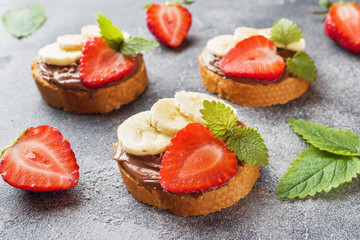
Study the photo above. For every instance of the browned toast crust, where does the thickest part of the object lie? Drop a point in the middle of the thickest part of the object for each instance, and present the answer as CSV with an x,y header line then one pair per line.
x,y
252,95
104,100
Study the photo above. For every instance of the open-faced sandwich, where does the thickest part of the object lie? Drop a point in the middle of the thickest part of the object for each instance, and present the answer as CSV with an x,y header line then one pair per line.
x,y
189,154
258,67
93,72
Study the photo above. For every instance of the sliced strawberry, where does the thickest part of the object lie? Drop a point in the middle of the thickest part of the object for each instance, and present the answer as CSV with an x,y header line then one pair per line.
x,y
254,57
168,23
342,24
100,65
196,161
40,160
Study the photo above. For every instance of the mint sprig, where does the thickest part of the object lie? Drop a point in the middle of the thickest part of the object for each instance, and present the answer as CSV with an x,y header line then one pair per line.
x,y
114,38
302,66
316,171
285,32
246,143
327,164
21,22
338,141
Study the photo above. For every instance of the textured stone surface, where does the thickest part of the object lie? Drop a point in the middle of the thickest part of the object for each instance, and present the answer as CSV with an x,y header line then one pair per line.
x,y
100,206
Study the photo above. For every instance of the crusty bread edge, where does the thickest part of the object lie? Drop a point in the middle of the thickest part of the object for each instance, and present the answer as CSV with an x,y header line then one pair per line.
x,y
104,100
195,204
252,95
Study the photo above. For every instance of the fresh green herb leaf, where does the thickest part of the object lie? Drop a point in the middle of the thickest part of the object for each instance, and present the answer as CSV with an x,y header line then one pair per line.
x,y
135,45
246,143
110,33
338,141
114,38
325,4
315,171
303,66
285,32
21,22
219,118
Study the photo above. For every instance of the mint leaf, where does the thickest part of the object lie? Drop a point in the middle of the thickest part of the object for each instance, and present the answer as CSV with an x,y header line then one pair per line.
x,y
285,32
246,143
21,22
219,118
338,141
135,45
303,66
248,146
112,36
315,171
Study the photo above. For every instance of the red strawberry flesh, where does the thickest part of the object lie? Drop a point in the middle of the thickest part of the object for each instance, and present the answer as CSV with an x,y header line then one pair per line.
x,y
254,57
196,161
40,160
100,65
342,24
168,23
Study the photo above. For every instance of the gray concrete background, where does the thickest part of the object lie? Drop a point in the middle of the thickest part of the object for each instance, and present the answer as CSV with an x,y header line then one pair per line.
x,y
100,207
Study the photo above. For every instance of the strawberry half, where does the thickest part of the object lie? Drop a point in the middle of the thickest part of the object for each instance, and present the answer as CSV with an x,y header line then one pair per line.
x,y
196,161
40,160
342,24
254,57
168,23
100,65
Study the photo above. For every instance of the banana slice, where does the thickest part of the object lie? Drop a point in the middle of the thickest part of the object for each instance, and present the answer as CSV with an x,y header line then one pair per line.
x,y
190,104
53,54
71,42
221,44
138,137
90,31
166,117
244,32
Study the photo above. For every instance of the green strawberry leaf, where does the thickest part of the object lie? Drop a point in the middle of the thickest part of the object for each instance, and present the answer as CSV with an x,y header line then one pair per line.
x,y
135,45
303,66
285,32
13,143
338,141
248,146
21,22
325,4
315,171
219,118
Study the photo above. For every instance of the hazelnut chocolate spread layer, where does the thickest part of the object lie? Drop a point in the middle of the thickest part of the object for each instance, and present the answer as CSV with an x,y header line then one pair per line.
x,y
145,169
212,63
67,77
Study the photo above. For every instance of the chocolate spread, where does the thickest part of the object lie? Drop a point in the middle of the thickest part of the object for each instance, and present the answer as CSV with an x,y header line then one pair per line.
x,y
212,63
67,77
145,169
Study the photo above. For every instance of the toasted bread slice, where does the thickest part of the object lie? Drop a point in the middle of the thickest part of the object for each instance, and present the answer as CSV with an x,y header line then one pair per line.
x,y
189,204
104,100
250,95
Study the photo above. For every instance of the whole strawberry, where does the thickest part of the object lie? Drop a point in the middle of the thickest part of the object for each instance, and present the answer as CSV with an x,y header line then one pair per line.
x,y
342,24
40,159
169,22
